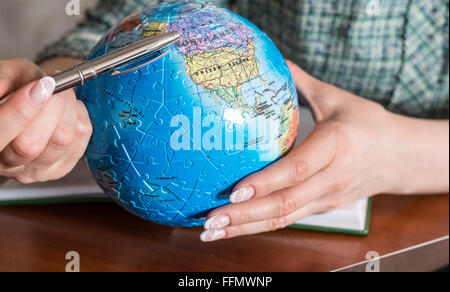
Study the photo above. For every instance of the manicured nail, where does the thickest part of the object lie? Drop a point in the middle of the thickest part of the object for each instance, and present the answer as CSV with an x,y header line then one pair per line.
x,y
242,195
42,90
213,235
217,222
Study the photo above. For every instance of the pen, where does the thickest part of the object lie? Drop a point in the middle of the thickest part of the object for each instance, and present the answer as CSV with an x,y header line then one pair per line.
x,y
81,73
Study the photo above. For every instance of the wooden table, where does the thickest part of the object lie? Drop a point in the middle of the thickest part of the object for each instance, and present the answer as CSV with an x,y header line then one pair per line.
x,y
37,238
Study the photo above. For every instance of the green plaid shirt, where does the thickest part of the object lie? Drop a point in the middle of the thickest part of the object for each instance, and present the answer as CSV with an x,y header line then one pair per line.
x,y
394,52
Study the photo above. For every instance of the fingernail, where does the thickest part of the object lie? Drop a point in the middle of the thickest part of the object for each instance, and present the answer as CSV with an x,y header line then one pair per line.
x,y
42,90
217,222
212,235
242,195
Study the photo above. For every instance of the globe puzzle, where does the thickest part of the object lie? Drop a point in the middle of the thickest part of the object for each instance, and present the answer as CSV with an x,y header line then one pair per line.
x,y
173,138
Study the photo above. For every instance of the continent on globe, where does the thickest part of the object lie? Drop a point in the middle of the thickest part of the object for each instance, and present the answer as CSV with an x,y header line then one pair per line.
x,y
224,71
220,60
198,37
154,28
290,117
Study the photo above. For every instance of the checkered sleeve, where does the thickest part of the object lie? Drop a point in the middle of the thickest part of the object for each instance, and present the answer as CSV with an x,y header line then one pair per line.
x,y
394,52
79,41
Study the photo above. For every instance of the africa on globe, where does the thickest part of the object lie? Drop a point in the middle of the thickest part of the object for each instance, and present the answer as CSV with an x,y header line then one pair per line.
x,y
174,137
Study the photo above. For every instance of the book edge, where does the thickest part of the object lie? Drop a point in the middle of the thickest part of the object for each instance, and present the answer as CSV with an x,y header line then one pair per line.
x,y
363,232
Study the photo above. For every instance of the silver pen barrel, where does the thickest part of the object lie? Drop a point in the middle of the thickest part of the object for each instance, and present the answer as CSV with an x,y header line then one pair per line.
x,y
91,69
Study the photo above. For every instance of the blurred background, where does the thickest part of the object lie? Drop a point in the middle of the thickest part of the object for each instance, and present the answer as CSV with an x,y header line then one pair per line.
x,y
26,26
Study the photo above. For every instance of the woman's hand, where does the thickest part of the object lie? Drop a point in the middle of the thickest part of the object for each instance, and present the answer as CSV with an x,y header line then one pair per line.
x,y
357,150
42,137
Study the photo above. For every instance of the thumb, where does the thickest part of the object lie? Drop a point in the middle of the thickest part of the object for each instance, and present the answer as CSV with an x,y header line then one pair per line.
x,y
318,95
22,107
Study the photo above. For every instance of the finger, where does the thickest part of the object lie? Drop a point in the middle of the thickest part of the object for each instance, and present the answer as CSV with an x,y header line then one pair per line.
x,y
82,136
258,227
15,73
316,153
63,135
73,154
306,83
278,204
22,108
338,195
35,138
320,96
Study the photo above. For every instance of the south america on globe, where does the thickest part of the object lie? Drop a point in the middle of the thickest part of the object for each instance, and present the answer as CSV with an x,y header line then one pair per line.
x,y
174,137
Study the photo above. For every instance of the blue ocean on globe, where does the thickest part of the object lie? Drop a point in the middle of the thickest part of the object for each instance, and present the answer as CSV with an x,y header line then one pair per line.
x,y
173,138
